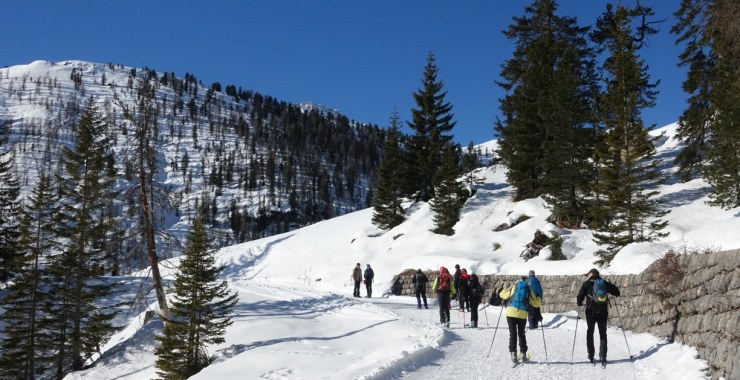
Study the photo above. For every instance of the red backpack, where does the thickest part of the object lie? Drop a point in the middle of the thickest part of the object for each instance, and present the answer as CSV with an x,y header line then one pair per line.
x,y
444,282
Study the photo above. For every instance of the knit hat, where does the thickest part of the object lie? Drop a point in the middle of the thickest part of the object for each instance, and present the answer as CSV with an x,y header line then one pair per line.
x,y
593,272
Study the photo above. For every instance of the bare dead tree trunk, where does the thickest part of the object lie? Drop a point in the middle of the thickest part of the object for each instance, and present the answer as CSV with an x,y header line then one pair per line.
x,y
151,247
145,124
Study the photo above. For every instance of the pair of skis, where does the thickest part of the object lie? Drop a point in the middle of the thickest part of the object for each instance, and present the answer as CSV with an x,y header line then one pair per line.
x,y
520,359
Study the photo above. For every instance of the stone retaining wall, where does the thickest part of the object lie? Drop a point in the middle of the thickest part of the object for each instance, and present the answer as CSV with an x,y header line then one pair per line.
x,y
700,309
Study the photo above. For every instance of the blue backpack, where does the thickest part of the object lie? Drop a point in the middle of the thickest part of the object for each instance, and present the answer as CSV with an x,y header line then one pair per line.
x,y
599,294
520,299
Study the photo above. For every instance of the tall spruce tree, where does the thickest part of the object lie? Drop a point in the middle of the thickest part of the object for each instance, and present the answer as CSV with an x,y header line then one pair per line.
x,y
545,139
23,354
199,313
388,211
450,194
9,191
722,165
628,170
431,123
708,126
78,322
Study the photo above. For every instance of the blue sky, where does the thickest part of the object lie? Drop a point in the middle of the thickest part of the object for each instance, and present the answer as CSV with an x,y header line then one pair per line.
x,y
363,58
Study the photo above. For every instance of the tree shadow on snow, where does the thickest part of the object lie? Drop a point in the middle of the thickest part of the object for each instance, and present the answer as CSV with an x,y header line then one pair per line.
x,y
297,308
142,341
683,197
486,194
247,262
237,349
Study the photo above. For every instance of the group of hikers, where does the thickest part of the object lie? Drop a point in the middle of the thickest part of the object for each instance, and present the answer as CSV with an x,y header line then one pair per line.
x,y
522,301
367,277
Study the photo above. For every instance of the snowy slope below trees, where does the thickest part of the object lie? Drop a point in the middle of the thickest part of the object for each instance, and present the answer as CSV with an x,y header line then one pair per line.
x,y
296,318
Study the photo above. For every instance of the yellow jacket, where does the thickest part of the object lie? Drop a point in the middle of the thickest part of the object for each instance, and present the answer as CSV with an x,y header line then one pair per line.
x,y
513,312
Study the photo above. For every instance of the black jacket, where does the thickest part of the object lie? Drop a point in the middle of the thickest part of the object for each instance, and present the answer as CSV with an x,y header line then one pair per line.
x,y
420,280
587,290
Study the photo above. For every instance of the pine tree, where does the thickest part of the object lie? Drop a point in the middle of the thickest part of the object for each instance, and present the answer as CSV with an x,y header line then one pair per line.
x,y
545,140
9,191
86,225
430,122
708,126
388,211
722,167
199,310
470,163
628,171
22,353
450,195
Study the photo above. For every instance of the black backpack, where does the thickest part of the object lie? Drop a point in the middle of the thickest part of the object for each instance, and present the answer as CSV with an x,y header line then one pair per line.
x,y
475,291
495,299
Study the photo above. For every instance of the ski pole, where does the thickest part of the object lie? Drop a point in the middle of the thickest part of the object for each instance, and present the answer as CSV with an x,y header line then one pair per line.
x,y
495,331
545,343
485,313
622,327
572,352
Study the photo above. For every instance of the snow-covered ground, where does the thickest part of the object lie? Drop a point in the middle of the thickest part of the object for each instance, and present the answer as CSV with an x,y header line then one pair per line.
x,y
297,319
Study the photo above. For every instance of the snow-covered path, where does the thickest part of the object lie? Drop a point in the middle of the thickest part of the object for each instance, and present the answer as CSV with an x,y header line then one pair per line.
x,y
287,333
464,351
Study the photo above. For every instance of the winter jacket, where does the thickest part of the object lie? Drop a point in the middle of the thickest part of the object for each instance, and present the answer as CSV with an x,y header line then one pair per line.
x,y
462,285
475,289
369,274
357,274
514,312
419,280
437,282
536,287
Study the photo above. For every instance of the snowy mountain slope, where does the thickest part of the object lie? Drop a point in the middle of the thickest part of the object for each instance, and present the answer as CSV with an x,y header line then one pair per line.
x,y
297,320
260,165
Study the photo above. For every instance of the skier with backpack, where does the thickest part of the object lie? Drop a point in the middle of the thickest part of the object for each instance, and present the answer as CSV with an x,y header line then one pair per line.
x,y
420,287
445,288
535,316
475,291
463,297
518,298
595,291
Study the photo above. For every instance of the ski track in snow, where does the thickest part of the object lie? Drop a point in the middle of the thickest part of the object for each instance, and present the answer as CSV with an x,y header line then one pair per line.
x,y
464,351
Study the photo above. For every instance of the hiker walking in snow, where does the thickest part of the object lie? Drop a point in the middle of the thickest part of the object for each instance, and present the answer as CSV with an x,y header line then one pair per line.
x,y
463,297
444,286
475,291
535,316
518,298
456,279
420,287
369,274
595,291
357,278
